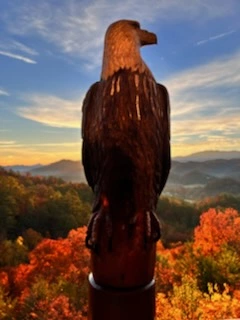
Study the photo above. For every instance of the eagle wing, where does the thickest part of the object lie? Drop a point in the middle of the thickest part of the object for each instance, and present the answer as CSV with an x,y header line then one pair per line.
x,y
89,149
92,150
165,157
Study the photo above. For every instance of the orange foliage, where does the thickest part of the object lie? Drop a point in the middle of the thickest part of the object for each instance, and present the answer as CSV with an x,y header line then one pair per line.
x,y
172,264
56,309
217,228
178,296
54,266
51,259
56,269
165,267
48,287
188,302
4,280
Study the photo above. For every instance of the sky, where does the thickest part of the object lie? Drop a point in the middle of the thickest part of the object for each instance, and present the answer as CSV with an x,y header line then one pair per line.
x,y
51,52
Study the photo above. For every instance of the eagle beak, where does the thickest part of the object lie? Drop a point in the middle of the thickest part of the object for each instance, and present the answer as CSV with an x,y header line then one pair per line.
x,y
147,37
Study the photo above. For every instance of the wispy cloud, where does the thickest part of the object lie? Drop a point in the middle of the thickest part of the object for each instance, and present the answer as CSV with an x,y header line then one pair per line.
x,y
17,57
22,153
13,144
56,145
223,72
205,99
205,105
212,143
216,37
77,27
4,143
23,48
11,45
3,92
52,111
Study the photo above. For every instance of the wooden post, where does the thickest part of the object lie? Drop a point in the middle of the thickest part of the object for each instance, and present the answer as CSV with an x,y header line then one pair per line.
x,y
121,285
121,304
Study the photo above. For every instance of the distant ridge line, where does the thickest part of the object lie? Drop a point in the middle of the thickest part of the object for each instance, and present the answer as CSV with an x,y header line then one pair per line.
x,y
209,155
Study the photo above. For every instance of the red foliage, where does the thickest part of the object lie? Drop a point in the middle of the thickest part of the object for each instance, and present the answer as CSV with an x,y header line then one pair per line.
x,y
56,309
217,228
4,280
45,288
51,259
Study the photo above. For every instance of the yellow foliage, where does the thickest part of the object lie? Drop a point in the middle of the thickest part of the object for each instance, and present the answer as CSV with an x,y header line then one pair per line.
x,y
187,302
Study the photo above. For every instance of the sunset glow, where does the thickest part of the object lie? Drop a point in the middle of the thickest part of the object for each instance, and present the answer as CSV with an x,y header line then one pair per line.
x,y
48,64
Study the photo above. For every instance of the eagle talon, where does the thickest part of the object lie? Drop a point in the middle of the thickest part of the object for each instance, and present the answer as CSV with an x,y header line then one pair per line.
x,y
90,244
95,248
156,236
99,225
153,232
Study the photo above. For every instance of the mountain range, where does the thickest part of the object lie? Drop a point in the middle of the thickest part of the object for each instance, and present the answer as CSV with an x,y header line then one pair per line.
x,y
210,155
192,177
193,180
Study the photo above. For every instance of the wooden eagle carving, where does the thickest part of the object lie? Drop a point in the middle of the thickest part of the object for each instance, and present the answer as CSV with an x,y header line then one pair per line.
x,y
126,139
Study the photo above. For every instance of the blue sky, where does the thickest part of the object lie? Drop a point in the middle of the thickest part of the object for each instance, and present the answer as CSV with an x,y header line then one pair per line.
x,y
51,52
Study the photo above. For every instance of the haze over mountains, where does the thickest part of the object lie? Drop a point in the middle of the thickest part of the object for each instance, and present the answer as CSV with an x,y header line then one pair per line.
x,y
66,169
193,177
195,180
210,155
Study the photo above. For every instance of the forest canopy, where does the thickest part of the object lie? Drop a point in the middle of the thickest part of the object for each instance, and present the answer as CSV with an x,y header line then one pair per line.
x,y
44,262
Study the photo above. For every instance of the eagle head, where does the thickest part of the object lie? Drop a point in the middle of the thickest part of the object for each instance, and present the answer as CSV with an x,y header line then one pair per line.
x,y
122,44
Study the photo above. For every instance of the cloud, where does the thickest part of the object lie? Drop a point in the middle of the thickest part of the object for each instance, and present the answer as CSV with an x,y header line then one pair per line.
x,y
77,27
213,143
52,111
57,145
4,143
205,106
17,57
205,99
16,46
3,92
23,48
22,153
223,72
216,37
33,146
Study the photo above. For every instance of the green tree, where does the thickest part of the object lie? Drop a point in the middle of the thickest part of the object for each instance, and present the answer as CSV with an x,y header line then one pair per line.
x,y
221,268
31,238
7,306
12,253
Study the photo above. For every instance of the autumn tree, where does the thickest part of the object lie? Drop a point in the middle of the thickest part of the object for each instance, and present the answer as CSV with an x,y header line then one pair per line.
x,y
48,206
187,302
217,228
56,268
221,201
217,248
12,253
12,202
221,268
